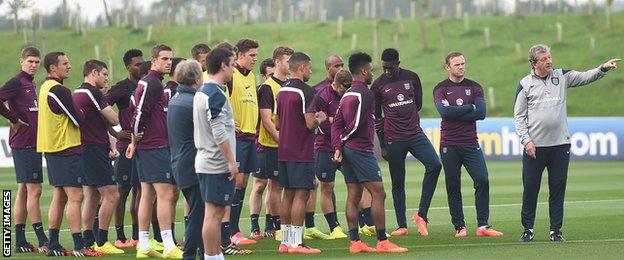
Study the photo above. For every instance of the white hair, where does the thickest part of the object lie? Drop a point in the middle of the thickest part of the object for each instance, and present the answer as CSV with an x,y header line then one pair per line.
x,y
188,71
537,49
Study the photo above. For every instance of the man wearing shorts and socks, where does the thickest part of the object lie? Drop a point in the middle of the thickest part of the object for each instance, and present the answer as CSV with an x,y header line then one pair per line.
x,y
353,132
244,100
126,173
460,103
150,140
215,139
170,91
398,94
99,177
296,124
267,148
327,99
58,136
19,93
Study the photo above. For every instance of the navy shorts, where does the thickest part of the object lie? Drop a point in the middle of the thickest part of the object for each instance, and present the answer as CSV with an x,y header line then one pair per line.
x,y
27,163
358,167
216,188
268,164
155,166
296,175
65,170
325,168
246,156
98,168
126,172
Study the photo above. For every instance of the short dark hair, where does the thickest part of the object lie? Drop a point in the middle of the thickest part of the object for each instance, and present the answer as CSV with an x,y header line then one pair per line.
x,y
215,58
228,46
358,60
174,64
280,51
30,52
244,45
390,54
267,63
91,65
158,48
298,59
52,58
200,48
127,58
451,55
145,67
343,77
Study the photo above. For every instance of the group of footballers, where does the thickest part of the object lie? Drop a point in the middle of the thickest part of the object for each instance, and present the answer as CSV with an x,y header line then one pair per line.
x,y
211,126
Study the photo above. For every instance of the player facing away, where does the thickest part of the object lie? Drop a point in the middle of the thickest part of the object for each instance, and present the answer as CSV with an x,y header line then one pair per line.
x,y
99,186
58,136
328,94
353,132
460,103
267,175
398,95
215,139
296,123
126,173
540,117
183,153
244,100
325,170
151,144
19,93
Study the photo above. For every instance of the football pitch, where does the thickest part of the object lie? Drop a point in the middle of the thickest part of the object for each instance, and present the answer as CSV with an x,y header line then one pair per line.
x,y
593,221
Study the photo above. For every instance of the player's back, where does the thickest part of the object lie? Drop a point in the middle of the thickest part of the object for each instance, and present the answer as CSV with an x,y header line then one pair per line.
x,y
295,139
89,99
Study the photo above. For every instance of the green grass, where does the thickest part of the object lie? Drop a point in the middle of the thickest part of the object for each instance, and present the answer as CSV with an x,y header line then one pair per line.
x,y
498,66
592,224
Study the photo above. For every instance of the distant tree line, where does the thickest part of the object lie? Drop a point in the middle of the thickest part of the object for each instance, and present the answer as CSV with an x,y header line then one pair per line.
x,y
196,12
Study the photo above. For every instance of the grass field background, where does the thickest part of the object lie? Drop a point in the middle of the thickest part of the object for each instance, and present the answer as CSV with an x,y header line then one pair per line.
x,y
498,66
593,223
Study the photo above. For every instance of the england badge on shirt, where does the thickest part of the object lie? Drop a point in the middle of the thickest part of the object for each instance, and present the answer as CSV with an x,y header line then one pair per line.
x,y
407,86
468,91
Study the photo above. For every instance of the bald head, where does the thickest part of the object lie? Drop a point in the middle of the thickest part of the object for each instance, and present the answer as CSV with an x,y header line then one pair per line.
x,y
333,64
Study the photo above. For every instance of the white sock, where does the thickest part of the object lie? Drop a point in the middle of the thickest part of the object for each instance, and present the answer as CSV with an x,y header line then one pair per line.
x,y
144,244
285,234
214,257
483,227
297,236
167,238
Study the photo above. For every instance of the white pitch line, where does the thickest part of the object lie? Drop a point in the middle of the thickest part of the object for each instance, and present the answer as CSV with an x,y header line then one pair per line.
x,y
478,244
434,208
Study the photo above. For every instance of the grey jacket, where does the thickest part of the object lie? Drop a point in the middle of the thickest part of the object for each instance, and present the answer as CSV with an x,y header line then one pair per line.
x,y
213,125
540,111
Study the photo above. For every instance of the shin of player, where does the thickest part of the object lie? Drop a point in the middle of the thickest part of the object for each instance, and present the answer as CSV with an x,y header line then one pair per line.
x,y
19,93
352,141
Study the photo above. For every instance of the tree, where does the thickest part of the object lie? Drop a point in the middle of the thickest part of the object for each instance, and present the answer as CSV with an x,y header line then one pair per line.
x,y
609,4
15,6
107,14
